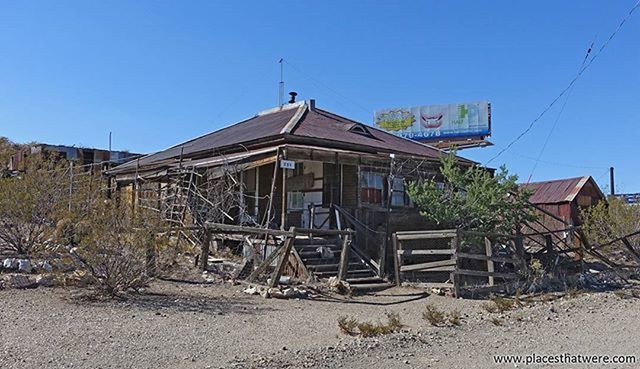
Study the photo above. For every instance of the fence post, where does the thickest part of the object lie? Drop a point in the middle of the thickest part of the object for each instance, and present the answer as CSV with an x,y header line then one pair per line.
x,y
519,246
344,258
490,266
455,245
204,254
396,259
288,244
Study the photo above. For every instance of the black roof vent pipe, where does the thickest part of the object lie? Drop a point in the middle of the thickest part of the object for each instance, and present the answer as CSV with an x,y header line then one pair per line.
x,y
293,95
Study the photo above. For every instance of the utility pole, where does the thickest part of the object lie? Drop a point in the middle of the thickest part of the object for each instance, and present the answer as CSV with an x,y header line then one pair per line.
x,y
612,182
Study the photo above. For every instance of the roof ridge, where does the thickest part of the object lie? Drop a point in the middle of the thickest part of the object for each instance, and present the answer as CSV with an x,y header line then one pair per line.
x,y
292,124
553,180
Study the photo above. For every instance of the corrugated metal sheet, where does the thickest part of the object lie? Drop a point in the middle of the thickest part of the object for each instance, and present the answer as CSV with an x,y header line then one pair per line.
x,y
556,191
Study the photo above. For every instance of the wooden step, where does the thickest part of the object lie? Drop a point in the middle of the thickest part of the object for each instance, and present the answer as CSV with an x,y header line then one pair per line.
x,y
371,286
321,267
314,241
375,279
334,260
314,247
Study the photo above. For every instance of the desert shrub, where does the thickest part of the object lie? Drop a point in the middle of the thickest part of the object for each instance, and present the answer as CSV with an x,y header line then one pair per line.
x,y
503,304
117,247
434,316
454,317
500,304
351,326
347,325
490,307
30,204
610,219
393,321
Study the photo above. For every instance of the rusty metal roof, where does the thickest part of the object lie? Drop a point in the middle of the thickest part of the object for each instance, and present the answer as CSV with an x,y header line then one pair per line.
x,y
295,123
557,191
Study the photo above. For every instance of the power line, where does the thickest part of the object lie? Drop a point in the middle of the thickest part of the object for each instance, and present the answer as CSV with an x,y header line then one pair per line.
x,y
566,89
554,163
326,87
555,123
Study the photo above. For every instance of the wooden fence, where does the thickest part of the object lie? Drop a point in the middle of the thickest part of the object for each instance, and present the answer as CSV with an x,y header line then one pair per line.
x,y
438,259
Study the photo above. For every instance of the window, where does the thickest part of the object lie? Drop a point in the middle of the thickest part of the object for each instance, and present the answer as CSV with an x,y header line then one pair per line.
x,y
361,130
297,171
398,198
295,200
372,187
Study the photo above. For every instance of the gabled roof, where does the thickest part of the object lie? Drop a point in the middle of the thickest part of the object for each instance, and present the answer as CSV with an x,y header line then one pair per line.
x,y
559,190
298,123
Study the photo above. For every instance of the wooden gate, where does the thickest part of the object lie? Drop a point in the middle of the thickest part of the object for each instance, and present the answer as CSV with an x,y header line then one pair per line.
x,y
437,259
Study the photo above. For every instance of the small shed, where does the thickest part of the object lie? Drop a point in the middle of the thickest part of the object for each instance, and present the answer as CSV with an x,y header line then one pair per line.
x,y
564,198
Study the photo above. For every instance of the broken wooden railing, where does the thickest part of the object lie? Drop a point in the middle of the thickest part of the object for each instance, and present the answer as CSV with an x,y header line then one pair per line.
x,y
282,252
433,259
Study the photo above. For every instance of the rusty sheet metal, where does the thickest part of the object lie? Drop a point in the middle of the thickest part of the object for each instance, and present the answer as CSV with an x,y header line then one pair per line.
x,y
556,191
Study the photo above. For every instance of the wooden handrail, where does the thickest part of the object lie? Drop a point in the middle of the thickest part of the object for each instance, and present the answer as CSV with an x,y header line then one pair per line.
x,y
228,228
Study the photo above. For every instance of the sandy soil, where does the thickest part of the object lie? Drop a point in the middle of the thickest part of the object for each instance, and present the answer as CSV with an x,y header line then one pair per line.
x,y
178,325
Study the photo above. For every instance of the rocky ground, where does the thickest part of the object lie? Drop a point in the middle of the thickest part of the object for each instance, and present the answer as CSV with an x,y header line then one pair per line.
x,y
184,325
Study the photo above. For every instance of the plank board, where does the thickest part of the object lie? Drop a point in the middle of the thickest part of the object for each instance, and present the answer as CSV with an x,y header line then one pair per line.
x,y
426,252
428,285
423,236
495,259
479,273
430,266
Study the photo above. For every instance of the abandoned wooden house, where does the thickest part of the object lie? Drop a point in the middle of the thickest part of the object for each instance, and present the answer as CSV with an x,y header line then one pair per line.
x,y
291,166
559,203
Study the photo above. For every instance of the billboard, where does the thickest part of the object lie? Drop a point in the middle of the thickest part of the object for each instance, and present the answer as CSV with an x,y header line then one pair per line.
x,y
437,122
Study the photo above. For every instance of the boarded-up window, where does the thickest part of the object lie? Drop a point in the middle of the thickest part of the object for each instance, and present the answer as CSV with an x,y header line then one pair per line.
x,y
330,184
350,186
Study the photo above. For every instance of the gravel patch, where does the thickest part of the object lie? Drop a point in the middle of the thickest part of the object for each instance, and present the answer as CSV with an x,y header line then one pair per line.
x,y
178,325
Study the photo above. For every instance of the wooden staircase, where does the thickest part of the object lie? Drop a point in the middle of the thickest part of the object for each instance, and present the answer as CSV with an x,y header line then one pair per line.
x,y
321,257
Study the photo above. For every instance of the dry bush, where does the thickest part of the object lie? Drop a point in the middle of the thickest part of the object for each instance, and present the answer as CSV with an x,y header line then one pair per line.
x,y
434,316
119,247
490,307
454,317
393,321
30,204
348,325
438,318
352,327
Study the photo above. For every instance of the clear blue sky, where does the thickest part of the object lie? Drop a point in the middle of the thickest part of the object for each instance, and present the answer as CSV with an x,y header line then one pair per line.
x,y
157,73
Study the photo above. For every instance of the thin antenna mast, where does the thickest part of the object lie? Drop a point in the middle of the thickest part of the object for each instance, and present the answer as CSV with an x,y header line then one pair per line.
x,y
109,147
281,94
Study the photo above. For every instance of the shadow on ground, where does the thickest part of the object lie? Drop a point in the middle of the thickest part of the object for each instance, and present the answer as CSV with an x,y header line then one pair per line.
x,y
172,300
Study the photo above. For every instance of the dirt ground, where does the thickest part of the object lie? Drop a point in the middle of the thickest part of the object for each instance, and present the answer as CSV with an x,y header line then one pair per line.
x,y
180,325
